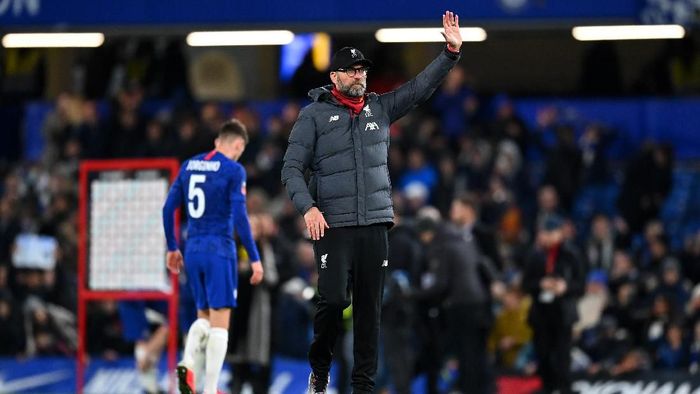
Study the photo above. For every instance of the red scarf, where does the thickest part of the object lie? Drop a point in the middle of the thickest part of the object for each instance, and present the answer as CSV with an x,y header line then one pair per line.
x,y
354,103
551,260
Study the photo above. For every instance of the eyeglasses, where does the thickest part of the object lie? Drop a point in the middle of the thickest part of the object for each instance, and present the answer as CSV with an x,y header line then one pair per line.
x,y
350,72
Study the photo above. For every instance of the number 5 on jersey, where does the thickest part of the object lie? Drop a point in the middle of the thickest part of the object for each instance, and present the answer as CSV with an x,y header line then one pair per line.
x,y
195,194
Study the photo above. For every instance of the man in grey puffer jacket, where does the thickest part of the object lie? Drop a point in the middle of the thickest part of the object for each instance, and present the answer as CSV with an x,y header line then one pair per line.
x,y
343,139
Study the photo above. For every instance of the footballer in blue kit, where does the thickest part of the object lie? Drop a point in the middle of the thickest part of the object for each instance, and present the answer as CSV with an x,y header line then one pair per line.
x,y
212,187
148,343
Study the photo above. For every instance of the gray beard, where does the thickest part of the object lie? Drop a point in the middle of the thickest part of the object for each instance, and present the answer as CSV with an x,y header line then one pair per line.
x,y
352,90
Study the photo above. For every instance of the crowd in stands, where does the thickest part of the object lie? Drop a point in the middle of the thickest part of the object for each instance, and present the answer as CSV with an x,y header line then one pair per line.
x,y
641,308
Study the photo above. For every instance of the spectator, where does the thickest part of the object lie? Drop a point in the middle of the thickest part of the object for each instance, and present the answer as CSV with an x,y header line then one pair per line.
x,y
690,258
662,315
57,125
447,184
554,277
632,364
627,310
51,330
293,320
593,302
464,214
508,126
9,228
605,345
106,337
189,139
600,247
126,126
419,172
547,205
474,161
11,326
398,312
694,356
250,349
692,310
90,134
672,352
511,334
563,166
646,184
671,285
593,144
457,285
622,271
157,142
456,104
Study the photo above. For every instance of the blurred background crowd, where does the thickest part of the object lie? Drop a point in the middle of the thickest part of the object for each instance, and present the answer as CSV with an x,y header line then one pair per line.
x,y
466,158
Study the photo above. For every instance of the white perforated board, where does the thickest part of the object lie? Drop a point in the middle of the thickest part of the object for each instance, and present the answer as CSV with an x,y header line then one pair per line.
x,y
127,246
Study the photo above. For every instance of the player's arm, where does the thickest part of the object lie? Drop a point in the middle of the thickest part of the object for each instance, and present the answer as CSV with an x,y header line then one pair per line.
x,y
242,226
172,202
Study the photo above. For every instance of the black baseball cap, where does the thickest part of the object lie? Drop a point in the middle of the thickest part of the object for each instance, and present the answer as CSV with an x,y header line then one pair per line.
x,y
347,57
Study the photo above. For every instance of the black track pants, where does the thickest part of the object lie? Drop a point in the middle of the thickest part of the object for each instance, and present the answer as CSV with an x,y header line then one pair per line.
x,y
351,262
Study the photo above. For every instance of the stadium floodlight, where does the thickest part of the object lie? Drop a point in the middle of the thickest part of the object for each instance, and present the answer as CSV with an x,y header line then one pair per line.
x,y
426,34
239,38
53,40
627,32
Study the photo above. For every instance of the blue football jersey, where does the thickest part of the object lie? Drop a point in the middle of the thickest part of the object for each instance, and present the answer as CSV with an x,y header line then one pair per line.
x,y
213,189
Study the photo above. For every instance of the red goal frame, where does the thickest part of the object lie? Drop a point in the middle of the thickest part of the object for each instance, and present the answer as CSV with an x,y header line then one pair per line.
x,y
85,294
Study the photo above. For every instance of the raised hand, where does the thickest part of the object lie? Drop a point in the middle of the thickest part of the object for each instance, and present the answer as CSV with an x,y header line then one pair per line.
x,y
453,37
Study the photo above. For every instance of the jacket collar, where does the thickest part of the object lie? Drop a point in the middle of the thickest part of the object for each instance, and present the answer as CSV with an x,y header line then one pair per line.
x,y
323,93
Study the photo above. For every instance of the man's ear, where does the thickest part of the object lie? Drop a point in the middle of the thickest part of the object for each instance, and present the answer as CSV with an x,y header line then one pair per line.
x,y
241,144
334,77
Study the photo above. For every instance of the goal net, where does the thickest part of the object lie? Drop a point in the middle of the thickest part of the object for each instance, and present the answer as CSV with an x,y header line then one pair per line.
x,y
122,246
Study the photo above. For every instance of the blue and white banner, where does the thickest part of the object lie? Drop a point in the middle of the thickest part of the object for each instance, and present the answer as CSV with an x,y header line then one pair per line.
x,y
57,375
103,13
656,382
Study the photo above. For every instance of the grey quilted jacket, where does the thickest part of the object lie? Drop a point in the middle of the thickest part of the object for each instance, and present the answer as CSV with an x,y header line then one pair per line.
x,y
347,155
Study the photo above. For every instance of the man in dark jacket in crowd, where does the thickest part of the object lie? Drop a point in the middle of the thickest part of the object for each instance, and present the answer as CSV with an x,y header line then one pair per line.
x,y
464,214
555,279
399,314
459,278
343,139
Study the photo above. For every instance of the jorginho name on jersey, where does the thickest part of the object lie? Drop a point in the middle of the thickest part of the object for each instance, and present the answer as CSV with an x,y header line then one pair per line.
x,y
213,189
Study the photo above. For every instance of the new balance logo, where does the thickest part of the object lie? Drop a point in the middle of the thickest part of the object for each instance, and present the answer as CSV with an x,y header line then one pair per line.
x,y
333,118
371,126
385,263
323,261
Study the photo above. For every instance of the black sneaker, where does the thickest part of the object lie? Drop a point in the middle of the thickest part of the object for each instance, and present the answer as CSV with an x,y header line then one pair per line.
x,y
317,386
